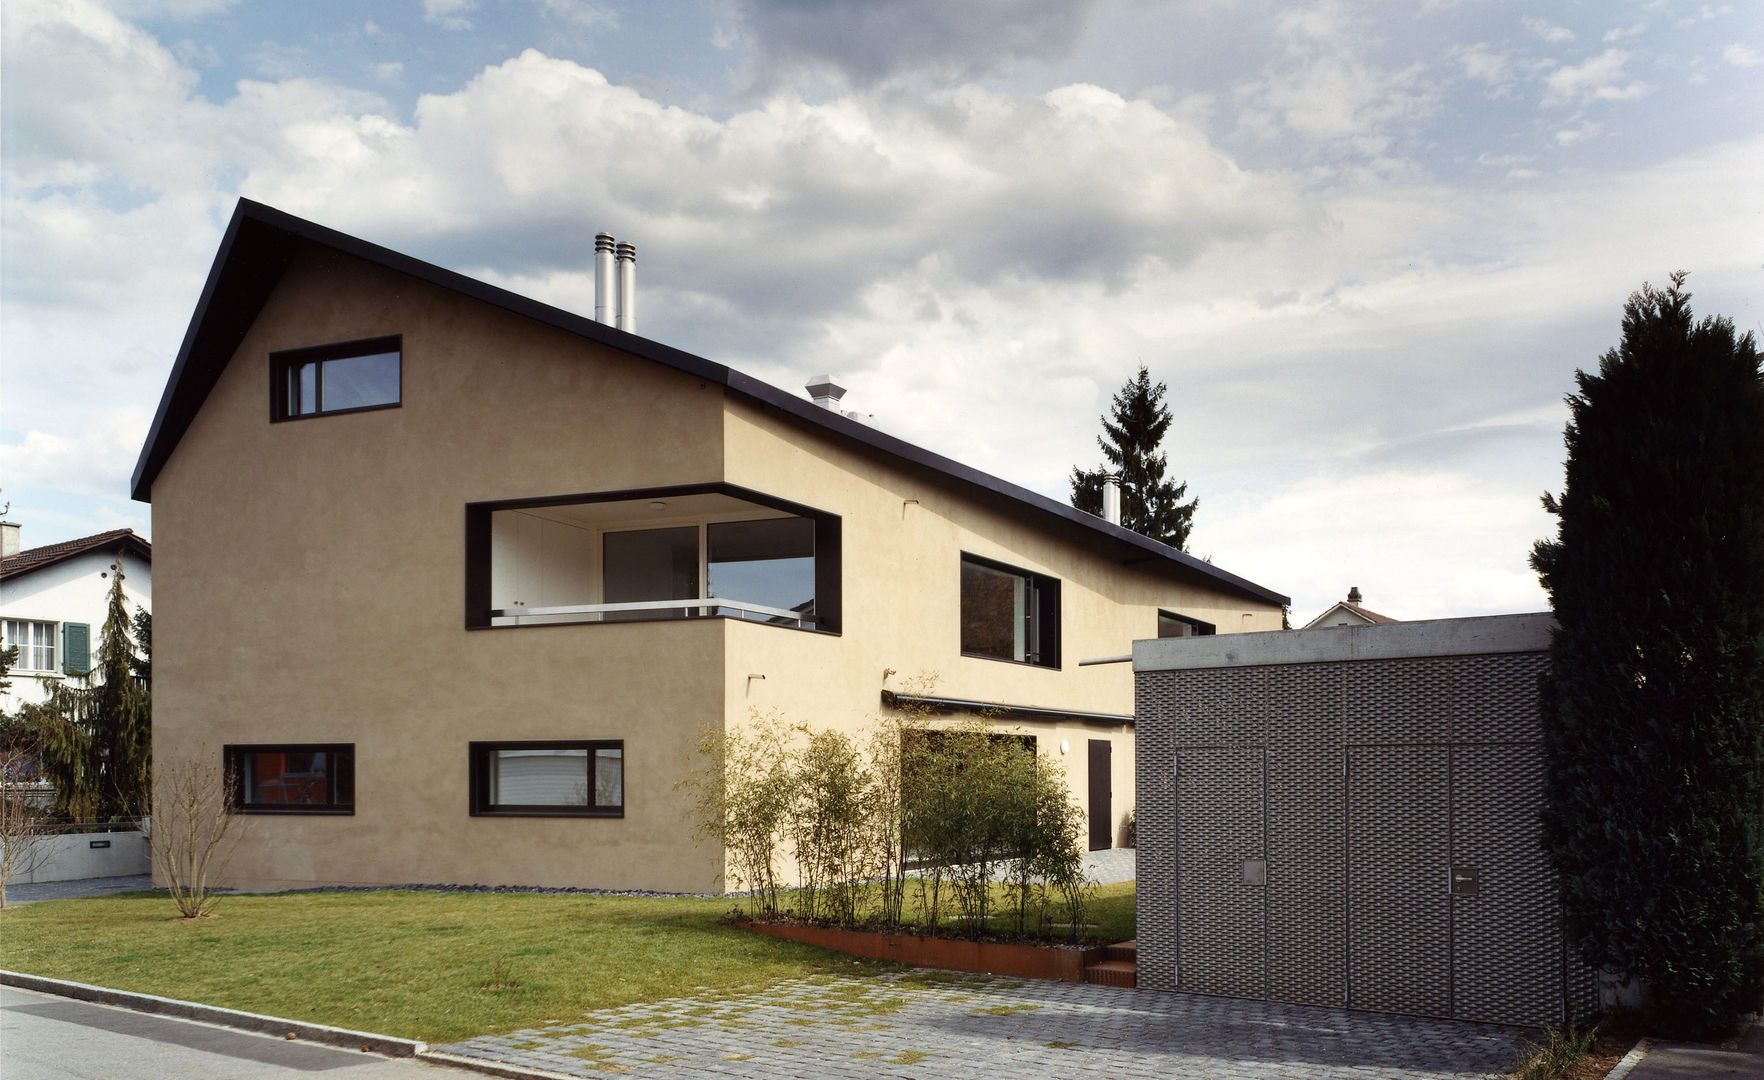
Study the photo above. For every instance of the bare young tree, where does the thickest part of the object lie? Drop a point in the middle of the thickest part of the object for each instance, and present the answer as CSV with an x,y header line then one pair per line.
x,y
24,819
194,833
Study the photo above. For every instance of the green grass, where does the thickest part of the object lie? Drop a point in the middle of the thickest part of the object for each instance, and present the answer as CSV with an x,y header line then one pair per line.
x,y
434,966
1111,909
408,964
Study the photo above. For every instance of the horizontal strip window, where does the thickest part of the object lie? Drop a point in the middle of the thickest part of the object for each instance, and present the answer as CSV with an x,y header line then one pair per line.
x,y
548,779
352,376
1171,624
292,778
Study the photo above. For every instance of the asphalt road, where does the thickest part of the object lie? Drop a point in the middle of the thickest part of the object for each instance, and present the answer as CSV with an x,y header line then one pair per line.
x,y
51,1038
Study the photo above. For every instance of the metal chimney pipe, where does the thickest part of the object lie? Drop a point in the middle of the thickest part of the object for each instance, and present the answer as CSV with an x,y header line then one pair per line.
x,y
604,303
1112,499
627,256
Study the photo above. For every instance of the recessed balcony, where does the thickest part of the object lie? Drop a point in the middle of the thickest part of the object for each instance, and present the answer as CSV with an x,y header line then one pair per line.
x,y
681,553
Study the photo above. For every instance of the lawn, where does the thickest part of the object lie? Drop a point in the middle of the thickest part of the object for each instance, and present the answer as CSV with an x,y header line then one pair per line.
x,y
423,965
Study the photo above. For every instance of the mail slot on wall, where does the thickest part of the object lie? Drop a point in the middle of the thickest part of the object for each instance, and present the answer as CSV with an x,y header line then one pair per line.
x,y
98,844
1463,881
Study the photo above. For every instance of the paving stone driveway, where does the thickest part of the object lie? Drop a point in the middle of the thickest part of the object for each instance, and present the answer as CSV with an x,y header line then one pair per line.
x,y
925,1024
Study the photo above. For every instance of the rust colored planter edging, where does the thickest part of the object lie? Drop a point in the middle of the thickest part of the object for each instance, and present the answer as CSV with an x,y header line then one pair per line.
x,y
985,957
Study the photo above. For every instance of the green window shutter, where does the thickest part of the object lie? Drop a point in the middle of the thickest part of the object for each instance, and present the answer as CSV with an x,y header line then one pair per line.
x,y
76,648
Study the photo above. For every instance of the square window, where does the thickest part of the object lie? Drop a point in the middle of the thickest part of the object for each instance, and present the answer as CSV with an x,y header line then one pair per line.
x,y
348,377
292,778
1009,614
548,779
35,642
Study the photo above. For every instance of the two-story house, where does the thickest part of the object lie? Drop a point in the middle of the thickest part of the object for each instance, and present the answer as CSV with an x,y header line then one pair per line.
x,y
452,578
52,604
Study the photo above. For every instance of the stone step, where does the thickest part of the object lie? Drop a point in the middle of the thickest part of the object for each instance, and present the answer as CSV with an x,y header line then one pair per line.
x,y
1112,973
1122,950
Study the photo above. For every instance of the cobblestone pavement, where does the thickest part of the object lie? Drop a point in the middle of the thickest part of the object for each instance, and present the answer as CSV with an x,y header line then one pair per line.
x,y
925,1024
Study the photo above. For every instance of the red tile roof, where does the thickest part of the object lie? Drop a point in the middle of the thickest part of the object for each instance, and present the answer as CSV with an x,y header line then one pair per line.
x,y
49,554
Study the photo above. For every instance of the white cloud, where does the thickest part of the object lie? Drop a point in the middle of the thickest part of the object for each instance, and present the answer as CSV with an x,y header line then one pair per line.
x,y
191,54
1447,543
170,9
1742,56
1324,89
1570,136
1485,65
1705,13
1546,29
1599,79
1624,33
449,14
86,459
864,43
583,14
392,71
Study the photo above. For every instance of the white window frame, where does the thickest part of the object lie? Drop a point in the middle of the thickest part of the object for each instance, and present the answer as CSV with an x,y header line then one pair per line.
x,y
34,646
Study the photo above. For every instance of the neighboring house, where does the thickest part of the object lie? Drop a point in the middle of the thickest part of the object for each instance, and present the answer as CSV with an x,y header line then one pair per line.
x,y
452,579
1348,613
52,602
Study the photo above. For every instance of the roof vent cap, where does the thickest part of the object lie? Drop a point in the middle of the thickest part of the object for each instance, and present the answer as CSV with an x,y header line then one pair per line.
x,y
825,391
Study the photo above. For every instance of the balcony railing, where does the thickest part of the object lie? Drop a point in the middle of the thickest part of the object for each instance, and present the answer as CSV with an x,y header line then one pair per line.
x,y
691,609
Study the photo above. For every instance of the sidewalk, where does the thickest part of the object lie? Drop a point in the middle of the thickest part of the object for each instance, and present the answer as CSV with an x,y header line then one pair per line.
x,y
80,887
1685,1061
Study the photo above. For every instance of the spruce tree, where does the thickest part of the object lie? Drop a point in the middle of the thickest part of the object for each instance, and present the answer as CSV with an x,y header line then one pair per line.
x,y
1654,705
1132,434
94,737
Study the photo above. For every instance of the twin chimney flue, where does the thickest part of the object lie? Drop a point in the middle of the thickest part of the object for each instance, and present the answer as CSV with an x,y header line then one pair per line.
x,y
615,283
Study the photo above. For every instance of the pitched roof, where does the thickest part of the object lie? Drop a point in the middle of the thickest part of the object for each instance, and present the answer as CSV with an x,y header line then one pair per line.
x,y
1352,609
49,554
261,241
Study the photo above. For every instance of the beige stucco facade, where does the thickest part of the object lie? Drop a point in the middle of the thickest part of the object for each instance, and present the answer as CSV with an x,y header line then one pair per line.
x,y
310,588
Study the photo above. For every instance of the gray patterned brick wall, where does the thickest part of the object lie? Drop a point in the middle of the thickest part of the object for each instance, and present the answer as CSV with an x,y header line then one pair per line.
x,y
1360,785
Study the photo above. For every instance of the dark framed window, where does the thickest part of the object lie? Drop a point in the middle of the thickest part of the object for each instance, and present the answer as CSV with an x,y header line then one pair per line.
x,y
292,778
568,778
351,376
1009,614
1171,624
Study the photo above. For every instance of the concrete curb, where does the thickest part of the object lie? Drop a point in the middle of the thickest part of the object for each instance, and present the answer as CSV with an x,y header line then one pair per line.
x,y
210,1014
491,1067
1630,1060
344,1038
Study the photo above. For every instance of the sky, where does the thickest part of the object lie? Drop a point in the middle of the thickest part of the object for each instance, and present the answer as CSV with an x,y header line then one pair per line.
x,y
1365,245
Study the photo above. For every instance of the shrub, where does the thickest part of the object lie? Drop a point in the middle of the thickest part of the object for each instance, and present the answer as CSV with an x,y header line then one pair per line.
x,y
1655,700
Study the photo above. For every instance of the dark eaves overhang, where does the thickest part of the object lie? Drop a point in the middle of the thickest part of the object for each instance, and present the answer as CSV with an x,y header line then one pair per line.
x,y
1000,710
261,241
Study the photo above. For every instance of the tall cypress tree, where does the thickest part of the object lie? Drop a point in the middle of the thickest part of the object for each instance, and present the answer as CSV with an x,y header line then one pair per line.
x,y
1654,705
1132,434
94,738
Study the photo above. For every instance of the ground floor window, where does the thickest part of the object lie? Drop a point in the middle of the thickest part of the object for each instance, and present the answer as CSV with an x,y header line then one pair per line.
x,y
549,779
302,778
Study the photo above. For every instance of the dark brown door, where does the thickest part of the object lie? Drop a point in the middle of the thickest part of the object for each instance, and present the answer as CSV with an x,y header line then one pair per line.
x,y
1102,832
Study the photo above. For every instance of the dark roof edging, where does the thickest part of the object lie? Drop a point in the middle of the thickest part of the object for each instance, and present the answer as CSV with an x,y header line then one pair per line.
x,y
205,351
893,700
